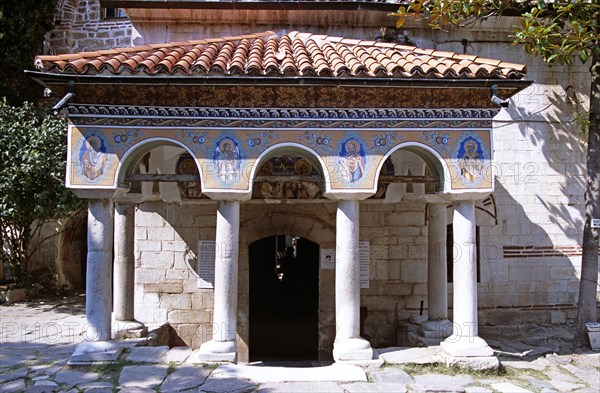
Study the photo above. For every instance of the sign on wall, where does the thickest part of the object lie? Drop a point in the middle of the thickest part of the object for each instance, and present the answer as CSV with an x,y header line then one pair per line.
x,y
206,263
363,250
327,258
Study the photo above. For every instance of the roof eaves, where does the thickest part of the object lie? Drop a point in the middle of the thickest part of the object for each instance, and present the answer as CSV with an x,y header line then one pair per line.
x,y
230,80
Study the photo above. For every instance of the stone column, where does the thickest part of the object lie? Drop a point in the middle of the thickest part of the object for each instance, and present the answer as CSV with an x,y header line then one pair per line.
x,y
348,346
437,324
99,270
222,348
464,347
124,271
98,300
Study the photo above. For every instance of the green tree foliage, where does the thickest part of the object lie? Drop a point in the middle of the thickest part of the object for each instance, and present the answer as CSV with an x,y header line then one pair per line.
x,y
32,166
23,24
558,31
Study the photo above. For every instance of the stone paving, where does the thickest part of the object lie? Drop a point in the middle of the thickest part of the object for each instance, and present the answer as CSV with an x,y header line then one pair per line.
x,y
37,338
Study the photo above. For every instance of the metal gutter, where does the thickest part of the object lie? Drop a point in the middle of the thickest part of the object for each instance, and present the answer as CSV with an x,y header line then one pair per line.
x,y
288,5
253,5
311,81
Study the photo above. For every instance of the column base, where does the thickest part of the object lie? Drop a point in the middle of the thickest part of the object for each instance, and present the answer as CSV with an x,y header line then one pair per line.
x,y
352,349
93,352
468,352
466,346
472,362
437,328
128,329
214,352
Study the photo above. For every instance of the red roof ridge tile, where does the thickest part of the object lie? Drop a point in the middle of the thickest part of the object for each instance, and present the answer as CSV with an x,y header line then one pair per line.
x,y
439,53
518,67
483,60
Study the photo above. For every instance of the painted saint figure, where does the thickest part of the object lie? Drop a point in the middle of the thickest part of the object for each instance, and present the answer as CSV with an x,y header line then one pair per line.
x,y
471,163
352,164
227,156
93,158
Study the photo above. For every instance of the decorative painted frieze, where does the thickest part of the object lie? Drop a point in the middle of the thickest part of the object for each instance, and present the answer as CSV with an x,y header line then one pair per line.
x,y
228,160
281,117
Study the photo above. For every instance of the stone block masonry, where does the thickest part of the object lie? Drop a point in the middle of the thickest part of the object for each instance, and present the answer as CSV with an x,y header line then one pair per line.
x,y
167,289
80,27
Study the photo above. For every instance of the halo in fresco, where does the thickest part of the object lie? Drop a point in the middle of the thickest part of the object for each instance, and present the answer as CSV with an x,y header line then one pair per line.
x,y
93,159
471,159
352,161
227,160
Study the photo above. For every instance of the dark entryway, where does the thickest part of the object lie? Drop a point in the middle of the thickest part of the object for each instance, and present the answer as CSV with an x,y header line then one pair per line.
x,y
284,293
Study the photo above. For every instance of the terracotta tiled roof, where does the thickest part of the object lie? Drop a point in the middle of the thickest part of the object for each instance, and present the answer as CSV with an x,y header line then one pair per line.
x,y
288,54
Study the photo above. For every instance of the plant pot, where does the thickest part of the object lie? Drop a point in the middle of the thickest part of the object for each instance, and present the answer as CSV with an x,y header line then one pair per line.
x,y
593,330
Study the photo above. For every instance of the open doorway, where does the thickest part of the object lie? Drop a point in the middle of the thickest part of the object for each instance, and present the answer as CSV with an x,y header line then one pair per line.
x,y
284,295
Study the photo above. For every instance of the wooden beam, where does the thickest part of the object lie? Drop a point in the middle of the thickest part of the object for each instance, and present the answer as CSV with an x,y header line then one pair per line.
x,y
318,179
288,179
171,178
277,179
408,179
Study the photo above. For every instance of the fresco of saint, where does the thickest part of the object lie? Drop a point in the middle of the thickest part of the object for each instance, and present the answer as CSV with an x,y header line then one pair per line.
x,y
352,165
226,157
471,162
92,158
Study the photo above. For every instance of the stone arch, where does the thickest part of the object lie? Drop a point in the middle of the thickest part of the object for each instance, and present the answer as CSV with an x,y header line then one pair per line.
x,y
312,228
433,159
292,148
135,153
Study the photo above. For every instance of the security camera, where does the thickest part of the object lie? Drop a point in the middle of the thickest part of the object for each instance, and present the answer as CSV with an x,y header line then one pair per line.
x,y
499,101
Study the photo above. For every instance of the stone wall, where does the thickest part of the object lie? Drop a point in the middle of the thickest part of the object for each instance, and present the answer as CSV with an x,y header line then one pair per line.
x,y
167,238
59,253
80,26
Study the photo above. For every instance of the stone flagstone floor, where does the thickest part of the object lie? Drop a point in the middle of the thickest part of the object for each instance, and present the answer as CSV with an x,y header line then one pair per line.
x,y
37,338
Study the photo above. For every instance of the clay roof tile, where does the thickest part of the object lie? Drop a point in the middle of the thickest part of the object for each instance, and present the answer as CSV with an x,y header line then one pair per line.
x,y
514,66
483,60
290,53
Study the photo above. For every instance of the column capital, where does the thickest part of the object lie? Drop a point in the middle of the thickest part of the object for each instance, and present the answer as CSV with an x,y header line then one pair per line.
x,y
444,199
229,196
348,196
470,196
90,193
130,199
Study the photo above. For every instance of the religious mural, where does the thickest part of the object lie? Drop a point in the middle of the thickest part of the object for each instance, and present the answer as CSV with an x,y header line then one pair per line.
x,y
93,161
186,165
227,161
349,158
471,160
352,161
287,177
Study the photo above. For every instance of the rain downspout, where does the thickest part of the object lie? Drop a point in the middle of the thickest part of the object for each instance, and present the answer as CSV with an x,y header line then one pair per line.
x,y
65,100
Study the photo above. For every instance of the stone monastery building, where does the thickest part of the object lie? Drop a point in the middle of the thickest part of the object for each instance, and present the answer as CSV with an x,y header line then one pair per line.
x,y
296,180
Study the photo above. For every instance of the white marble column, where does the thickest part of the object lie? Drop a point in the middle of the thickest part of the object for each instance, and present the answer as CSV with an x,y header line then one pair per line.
x,y
348,345
222,348
464,343
98,301
124,271
437,324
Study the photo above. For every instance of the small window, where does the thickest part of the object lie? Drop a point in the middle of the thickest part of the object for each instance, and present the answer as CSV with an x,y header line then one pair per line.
x,y
450,252
114,13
